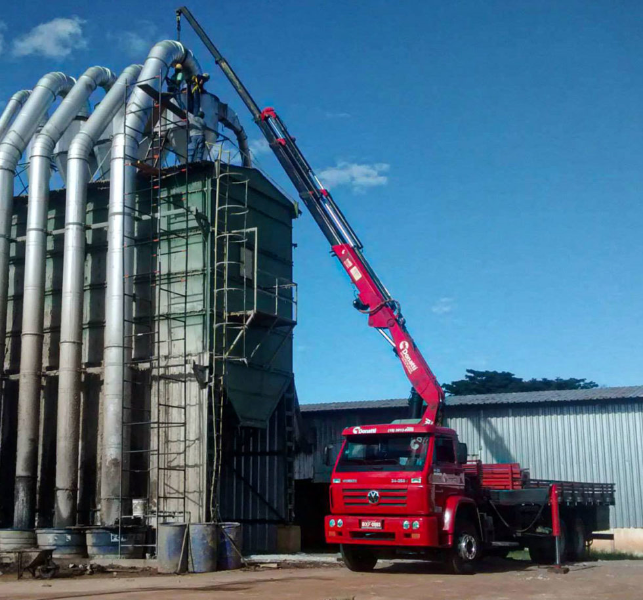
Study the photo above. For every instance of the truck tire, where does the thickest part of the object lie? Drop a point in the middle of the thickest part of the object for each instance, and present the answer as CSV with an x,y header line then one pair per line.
x,y
577,544
466,549
543,551
358,558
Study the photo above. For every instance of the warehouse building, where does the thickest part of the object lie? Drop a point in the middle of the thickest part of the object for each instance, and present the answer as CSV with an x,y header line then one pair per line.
x,y
591,435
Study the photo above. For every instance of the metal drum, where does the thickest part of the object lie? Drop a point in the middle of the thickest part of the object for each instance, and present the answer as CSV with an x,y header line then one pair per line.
x,y
68,542
172,548
17,539
106,542
203,547
229,555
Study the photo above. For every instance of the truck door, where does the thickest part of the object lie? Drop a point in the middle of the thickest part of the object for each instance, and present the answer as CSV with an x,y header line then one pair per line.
x,y
446,475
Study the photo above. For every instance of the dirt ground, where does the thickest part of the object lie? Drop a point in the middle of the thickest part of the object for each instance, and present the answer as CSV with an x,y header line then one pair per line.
x,y
510,580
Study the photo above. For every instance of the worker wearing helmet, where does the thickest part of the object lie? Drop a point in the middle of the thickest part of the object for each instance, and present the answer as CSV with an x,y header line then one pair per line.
x,y
175,83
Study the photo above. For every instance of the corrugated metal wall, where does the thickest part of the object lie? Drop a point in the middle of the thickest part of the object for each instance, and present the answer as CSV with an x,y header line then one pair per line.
x,y
597,442
593,441
255,479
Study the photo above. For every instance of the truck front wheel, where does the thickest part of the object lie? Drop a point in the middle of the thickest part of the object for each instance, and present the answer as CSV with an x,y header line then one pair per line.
x,y
466,549
358,558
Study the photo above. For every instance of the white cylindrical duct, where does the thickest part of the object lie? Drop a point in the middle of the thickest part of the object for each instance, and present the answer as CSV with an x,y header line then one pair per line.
x,y
11,110
71,321
11,148
120,265
34,288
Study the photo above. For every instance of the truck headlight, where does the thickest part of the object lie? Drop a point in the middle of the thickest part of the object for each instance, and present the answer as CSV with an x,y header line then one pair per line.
x,y
340,523
406,524
331,522
416,524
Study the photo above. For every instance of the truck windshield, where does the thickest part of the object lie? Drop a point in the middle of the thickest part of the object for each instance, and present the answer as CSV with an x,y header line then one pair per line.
x,y
384,453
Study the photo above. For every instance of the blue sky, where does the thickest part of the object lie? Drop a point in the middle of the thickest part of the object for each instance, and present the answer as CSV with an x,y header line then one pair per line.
x,y
488,153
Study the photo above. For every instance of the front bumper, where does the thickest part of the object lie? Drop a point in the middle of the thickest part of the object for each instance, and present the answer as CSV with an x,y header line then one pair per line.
x,y
391,534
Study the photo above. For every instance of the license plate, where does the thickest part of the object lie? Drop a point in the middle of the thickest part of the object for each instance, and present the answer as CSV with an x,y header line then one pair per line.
x,y
371,524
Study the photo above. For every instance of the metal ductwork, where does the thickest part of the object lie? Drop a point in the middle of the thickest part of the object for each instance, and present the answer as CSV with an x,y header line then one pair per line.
x,y
71,324
34,288
11,148
228,118
120,265
11,110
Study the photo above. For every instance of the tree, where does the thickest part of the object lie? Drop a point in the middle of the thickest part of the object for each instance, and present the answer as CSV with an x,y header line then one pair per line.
x,y
498,382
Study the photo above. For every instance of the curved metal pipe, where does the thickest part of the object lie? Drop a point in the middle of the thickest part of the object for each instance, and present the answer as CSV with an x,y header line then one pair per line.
x,y
14,105
34,288
11,148
230,121
71,320
120,265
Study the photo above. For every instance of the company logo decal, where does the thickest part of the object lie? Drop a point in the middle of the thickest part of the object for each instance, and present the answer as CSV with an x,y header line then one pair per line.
x,y
373,497
360,430
407,361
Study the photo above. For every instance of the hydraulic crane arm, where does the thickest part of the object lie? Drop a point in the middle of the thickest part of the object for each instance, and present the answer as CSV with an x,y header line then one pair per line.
x,y
373,299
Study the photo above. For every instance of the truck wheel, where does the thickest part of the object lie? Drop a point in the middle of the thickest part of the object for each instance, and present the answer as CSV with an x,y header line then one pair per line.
x,y
358,558
543,551
577,546
466,549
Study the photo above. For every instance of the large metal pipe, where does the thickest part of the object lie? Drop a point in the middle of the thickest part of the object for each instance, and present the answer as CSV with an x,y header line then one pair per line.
x,y
120,265
230,121
71,321
11,110
11,148
34,288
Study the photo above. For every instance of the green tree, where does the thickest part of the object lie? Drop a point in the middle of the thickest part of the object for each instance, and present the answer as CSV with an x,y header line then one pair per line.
x,y
498,382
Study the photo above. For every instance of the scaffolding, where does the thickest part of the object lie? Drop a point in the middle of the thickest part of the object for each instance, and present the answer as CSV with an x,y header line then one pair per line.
x,y
251,305
156,345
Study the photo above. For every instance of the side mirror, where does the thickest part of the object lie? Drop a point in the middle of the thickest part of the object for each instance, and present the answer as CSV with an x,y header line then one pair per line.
x,y
328,455
462,453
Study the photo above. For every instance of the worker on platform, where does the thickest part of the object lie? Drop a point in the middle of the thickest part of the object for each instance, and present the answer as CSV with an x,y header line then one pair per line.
x,y
196,147
196,88
175,83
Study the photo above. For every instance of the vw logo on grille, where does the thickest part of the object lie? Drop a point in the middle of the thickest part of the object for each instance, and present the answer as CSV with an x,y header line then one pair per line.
x,y
373,497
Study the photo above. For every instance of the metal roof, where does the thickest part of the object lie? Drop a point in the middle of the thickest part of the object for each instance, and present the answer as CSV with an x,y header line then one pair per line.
x,y
595,394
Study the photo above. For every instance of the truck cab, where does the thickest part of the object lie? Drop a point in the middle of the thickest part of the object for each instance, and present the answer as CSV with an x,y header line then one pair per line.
x,y
400,489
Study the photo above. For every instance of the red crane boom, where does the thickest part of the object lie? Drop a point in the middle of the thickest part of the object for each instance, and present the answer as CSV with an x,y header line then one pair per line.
x,y
373,299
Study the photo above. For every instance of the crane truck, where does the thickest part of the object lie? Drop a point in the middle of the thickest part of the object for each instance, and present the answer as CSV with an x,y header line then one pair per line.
x,y
407,489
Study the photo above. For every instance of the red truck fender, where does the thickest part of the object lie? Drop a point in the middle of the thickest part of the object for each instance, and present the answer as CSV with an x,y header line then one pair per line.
x,y
453,505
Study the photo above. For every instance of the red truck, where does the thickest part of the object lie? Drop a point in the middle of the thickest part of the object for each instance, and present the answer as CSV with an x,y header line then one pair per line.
x,y
406,488
407,491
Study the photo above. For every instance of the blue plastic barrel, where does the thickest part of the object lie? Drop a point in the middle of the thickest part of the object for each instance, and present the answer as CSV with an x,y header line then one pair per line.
x,y
203,547
229,546
109,542
172,548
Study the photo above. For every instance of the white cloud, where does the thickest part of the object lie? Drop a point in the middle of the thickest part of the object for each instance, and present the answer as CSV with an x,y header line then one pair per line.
x,y
3,28
337,115
259,147
136,44
57,38
443,306
360,176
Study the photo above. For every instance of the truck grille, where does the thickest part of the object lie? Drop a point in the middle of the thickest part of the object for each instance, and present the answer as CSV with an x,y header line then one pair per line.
x,y
388,497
